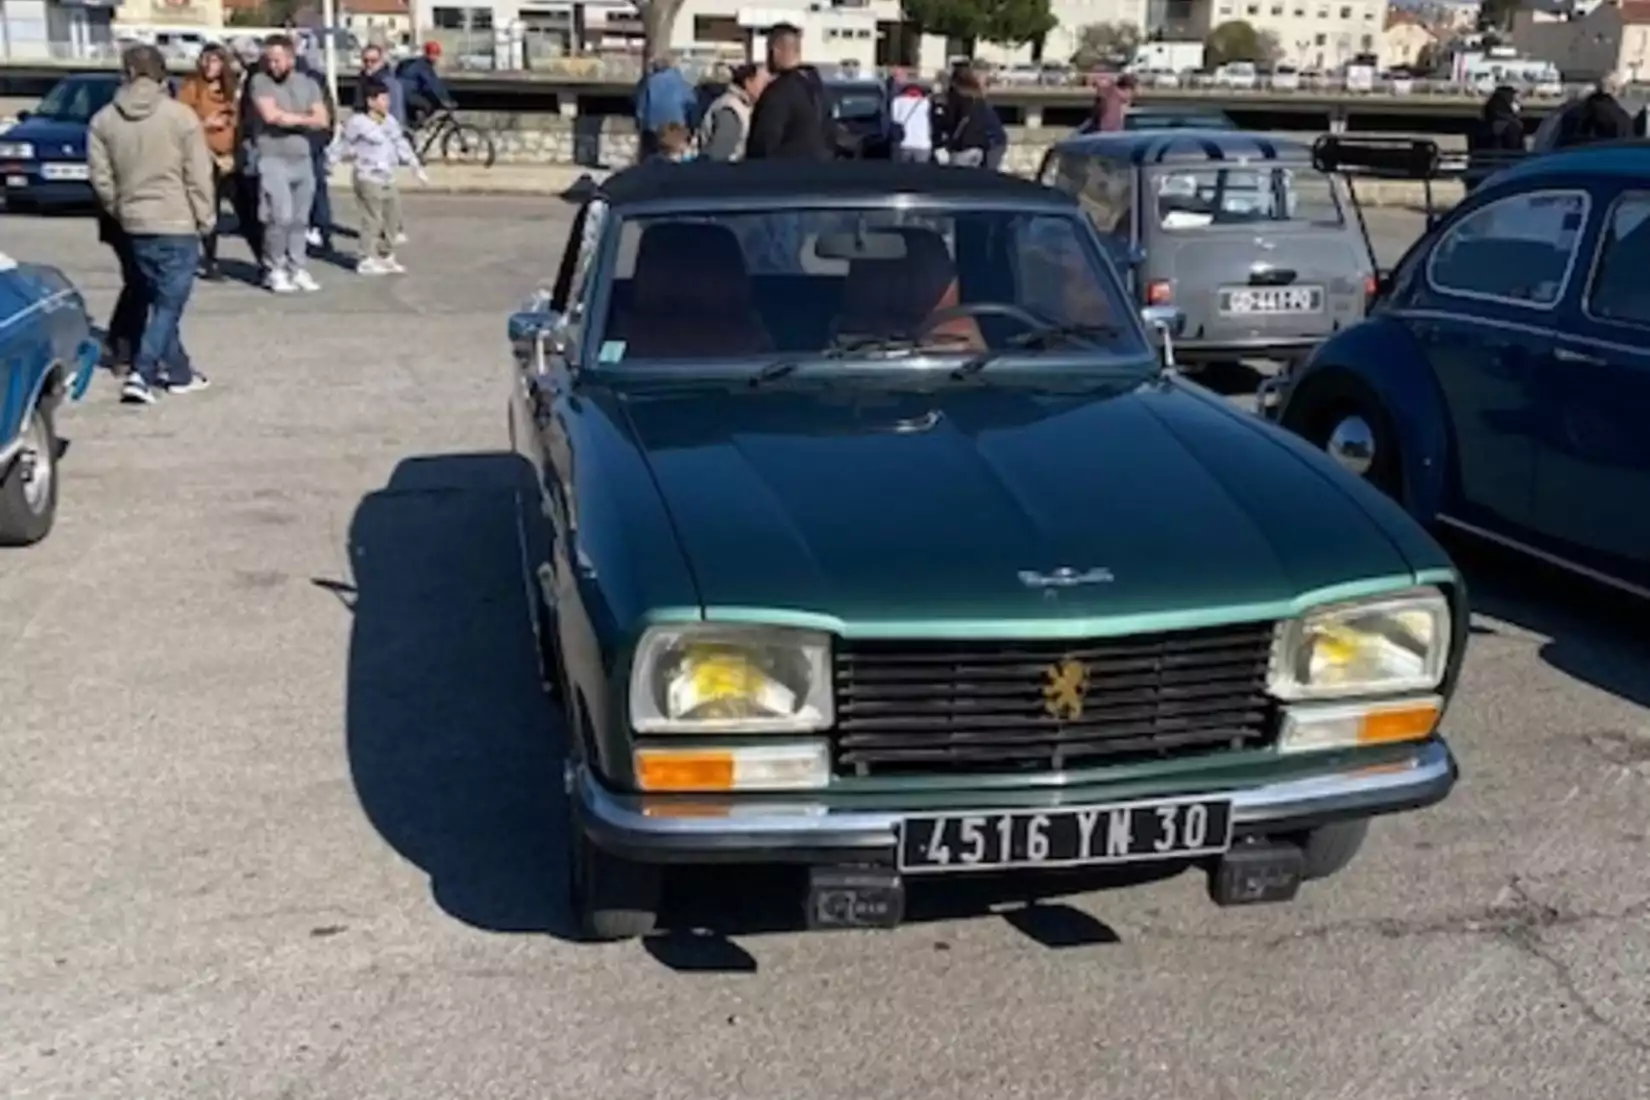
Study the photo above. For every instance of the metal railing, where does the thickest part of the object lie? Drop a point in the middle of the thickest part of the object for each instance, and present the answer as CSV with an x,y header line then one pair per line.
x,y
545,55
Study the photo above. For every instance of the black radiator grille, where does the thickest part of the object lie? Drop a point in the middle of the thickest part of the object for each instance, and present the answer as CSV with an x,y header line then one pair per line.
x,y
914,707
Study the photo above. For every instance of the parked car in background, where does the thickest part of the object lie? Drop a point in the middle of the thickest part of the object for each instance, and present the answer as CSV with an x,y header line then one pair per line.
x,y
872,536
864,117
1285,78
1238,75
1501,383
1238,231
43,157
47,355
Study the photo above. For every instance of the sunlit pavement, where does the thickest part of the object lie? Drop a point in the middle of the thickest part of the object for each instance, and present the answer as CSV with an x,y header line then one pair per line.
x,y
281,810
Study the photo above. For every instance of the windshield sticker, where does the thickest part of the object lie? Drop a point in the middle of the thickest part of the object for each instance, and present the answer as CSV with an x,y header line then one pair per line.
x,y
612,351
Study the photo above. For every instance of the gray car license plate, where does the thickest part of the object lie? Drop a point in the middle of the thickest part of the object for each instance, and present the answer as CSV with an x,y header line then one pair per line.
x,y
1244,301
1074,836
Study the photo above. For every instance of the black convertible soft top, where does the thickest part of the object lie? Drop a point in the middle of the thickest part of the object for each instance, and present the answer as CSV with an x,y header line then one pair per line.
x,y
718,181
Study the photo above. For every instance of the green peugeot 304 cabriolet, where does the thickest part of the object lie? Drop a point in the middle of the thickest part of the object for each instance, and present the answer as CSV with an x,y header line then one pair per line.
x,y
879,539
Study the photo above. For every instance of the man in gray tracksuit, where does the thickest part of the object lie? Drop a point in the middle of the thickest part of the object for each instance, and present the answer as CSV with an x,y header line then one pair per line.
x,y
289,106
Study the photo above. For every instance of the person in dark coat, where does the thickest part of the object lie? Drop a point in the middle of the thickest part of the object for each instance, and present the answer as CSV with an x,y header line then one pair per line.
x,y
790,120
969,128
320,207
1498,139
1597,117
131,315
244,195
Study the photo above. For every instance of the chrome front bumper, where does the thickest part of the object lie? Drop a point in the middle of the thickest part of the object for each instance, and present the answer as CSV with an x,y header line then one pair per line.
x,y
803,833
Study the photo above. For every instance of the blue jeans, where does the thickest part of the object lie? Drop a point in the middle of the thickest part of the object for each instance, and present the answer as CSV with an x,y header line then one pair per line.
x,y
320,208
167,264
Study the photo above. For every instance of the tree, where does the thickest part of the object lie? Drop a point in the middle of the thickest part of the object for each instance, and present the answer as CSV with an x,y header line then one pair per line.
x,y
658,19
1233,41
1011,22
1097,42
1267,47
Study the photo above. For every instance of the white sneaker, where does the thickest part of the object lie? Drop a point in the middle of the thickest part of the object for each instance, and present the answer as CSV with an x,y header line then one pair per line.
x,y
279,281
313,238
392,265
304,281
367,265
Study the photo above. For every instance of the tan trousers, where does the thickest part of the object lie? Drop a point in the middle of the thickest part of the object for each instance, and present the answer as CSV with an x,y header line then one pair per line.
x,y
380,217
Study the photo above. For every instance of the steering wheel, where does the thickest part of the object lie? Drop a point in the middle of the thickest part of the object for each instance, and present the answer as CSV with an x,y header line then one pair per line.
x,y
978,309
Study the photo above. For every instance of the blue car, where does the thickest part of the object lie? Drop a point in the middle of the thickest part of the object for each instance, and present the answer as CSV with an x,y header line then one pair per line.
x,y
1501,385
43,157
47,354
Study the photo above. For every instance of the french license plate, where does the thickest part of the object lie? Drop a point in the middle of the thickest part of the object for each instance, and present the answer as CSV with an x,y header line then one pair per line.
x,y
17,181
1075,837
1244,300
64,172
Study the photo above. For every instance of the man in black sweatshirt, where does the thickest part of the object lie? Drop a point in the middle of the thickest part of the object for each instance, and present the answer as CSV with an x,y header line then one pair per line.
x,y
791,119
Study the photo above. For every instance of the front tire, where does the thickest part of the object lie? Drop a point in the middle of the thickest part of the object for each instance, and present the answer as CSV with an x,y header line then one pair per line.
x,y
1354,430
612,898
1328,849
467,144
28,490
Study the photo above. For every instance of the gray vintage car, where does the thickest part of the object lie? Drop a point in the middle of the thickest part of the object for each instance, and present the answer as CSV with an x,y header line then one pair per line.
x,y
1261,254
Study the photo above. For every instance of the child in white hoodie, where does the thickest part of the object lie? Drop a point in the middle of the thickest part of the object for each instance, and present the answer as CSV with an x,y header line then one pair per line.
x,y
375,141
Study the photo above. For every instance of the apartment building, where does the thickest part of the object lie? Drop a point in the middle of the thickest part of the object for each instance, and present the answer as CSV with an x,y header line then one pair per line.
x,y
1313,34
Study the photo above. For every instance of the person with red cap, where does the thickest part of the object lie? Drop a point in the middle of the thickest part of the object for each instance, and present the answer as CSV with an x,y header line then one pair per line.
x,y
423,85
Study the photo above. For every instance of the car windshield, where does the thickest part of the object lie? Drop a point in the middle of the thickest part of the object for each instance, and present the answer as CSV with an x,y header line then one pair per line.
x,y
856,105
76,100
833,283
1196,198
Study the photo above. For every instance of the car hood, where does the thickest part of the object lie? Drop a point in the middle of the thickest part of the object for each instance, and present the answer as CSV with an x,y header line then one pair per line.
x,y
871,509
50,138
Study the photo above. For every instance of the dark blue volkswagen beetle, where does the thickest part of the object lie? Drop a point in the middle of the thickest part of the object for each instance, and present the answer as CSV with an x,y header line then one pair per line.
x,y
47,354
1501,385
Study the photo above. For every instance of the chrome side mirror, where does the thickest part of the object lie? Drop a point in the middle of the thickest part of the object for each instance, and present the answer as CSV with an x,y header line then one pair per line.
x,y
1165,323
533,331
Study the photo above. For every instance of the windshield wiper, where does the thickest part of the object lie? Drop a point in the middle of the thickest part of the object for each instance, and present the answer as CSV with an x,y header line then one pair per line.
x,y
1036,338
847,349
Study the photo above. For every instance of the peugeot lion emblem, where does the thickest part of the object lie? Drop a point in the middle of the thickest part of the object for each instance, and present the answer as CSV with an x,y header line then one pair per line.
x,y
1066,577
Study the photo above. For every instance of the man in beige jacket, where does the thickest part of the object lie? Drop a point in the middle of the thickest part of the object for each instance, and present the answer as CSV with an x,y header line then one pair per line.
x,y
152,173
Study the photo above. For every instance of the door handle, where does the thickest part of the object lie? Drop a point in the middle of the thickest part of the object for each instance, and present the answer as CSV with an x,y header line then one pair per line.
x,y
1566,355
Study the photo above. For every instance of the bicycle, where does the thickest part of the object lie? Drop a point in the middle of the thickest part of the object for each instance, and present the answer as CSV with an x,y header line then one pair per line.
x,y
459,142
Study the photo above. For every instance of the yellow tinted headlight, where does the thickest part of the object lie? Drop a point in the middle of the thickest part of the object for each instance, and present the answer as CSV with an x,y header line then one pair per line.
x,y
730,679
1391,644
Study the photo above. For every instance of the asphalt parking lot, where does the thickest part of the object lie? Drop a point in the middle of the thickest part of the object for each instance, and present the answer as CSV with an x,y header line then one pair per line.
x,y
281,800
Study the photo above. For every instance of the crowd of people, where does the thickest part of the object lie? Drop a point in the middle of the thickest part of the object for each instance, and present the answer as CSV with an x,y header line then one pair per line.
x,y
256,128
782,110
1593,116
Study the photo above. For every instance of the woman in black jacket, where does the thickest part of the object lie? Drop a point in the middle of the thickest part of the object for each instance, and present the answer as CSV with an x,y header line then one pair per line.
x,y
1499,138
968,125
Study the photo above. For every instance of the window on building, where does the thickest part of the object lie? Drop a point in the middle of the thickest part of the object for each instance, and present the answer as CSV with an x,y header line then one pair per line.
x,y
1252,9
1346,11
1277,9
447,19
1366,43
1320,40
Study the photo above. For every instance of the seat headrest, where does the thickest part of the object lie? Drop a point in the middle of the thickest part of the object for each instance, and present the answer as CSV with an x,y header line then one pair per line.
x,y
892,295
690,267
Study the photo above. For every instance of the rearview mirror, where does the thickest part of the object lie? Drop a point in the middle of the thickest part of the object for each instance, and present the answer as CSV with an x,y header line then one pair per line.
x,y
1165,319
850,246
1165,324
532,331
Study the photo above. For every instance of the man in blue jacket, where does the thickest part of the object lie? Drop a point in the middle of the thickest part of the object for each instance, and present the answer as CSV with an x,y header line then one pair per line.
x,y
664,96
424,88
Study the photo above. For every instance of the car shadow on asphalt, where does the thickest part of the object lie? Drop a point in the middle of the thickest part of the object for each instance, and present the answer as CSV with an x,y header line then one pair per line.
x,y
453,749
456,753
1595,634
